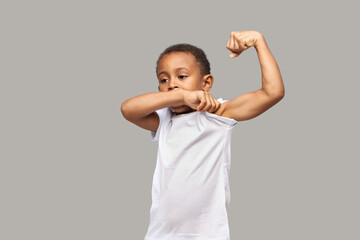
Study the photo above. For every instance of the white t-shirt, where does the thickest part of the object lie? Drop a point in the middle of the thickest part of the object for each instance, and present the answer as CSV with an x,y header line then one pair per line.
x,y
191,191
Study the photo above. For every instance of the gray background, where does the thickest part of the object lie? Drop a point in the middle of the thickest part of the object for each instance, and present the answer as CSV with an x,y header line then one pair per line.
x,y
73,168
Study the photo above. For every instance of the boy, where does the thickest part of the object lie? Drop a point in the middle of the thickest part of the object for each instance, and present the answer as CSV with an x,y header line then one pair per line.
x,y
191,192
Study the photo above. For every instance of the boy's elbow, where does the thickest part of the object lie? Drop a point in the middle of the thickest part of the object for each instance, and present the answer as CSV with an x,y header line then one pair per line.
x,y
276,95
281,95
125,110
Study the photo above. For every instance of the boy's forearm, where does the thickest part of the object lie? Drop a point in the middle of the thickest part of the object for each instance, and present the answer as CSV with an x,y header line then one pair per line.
x,y
271,77
142,105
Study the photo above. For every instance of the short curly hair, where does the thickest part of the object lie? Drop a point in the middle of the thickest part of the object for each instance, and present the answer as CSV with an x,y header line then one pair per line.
x,y
198,53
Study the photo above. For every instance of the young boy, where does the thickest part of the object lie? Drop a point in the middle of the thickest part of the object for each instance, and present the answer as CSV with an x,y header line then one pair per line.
x,y
191,191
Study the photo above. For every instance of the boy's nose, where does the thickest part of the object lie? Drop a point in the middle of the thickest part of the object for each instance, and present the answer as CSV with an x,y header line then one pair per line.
x,y
172,85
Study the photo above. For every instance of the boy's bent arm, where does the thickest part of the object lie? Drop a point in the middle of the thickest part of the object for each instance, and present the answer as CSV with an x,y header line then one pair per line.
x,y
271,78
252,104
140,110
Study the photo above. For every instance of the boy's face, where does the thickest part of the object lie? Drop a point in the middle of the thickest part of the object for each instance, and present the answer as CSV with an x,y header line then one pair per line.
x,y
179,70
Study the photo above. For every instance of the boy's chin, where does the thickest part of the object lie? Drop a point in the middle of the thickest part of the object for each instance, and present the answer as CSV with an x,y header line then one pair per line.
x,y
182,109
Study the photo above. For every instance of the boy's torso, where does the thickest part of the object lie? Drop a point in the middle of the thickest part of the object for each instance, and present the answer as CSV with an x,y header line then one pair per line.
x,y
190,186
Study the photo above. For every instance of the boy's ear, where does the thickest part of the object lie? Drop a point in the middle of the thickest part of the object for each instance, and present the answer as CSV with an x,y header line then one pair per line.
x,y
207,82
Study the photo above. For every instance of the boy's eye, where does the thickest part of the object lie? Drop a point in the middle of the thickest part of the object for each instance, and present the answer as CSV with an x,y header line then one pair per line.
x,y
164,80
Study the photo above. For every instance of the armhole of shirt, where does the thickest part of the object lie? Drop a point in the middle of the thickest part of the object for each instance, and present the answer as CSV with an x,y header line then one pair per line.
x,y
228,121
161,113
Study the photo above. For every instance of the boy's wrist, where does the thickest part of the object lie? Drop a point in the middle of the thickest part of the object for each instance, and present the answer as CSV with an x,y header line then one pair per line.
x,y
259,40
180,95
176,97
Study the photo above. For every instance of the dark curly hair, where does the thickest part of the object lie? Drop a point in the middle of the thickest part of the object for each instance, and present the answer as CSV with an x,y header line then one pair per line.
x,y
198,53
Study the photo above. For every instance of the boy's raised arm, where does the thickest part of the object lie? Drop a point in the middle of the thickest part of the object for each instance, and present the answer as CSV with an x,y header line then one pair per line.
x,y
140,110
252,104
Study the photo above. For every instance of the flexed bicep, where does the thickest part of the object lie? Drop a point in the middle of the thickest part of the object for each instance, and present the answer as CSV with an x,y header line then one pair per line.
x,y
249,105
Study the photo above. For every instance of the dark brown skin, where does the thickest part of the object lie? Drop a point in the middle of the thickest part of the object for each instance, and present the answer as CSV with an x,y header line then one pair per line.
x,y
186,90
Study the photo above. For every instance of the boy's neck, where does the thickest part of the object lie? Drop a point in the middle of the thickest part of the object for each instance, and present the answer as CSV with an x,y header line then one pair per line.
x,y
189,111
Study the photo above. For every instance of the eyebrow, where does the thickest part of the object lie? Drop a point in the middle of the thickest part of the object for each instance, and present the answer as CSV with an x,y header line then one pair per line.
x,y
175,69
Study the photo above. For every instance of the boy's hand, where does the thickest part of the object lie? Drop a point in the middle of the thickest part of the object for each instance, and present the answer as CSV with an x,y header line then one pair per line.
x,y
201,101
239,41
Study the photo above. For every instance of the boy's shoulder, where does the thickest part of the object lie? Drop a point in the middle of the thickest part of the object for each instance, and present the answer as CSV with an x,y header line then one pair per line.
x,y
222,107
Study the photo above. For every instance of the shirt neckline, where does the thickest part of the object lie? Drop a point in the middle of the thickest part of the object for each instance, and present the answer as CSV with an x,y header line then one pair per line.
x,y
183,115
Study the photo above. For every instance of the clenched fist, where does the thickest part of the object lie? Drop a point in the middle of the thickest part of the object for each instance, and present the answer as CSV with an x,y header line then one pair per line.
x,y
201,101
239,41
